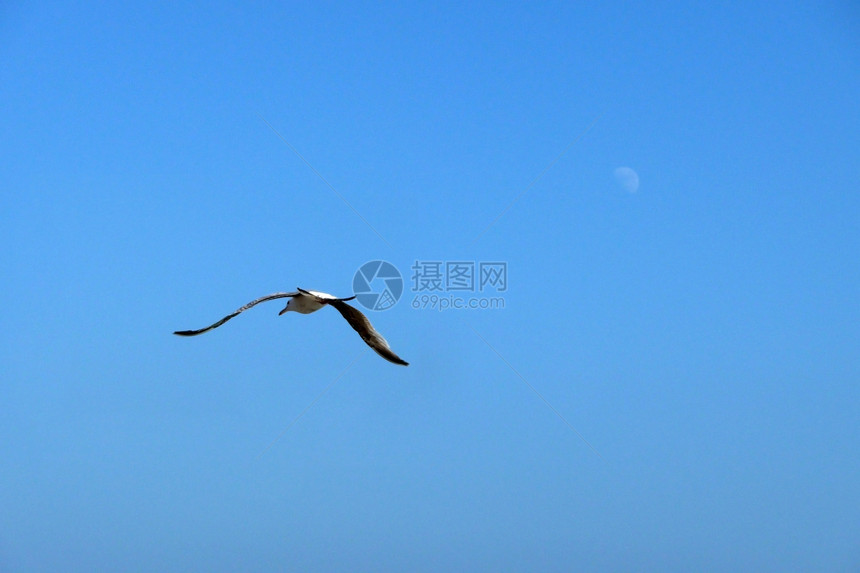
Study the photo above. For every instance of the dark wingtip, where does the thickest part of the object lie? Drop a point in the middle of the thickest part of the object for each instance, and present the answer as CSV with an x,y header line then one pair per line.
x,y
184,332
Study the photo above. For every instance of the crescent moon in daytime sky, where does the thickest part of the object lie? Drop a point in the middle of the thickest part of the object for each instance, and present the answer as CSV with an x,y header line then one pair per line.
x,y
627,178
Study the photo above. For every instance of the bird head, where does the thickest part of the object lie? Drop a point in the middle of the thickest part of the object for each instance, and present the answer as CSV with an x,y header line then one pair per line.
x,y
286,308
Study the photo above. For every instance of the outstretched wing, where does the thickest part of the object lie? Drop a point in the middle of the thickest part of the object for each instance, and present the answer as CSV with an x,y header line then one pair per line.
x,y
362,326
238,311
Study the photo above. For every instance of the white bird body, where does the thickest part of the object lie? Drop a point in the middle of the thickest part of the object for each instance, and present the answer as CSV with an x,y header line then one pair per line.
x,y
304,304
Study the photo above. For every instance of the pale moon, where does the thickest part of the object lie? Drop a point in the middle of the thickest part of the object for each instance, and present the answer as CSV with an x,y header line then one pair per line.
x,y
627,178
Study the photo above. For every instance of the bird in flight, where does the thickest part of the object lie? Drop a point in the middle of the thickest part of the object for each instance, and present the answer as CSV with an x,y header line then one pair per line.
x,y
308,301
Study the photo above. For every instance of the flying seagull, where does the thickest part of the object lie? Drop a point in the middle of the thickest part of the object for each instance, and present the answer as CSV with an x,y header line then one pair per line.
x,y
308,301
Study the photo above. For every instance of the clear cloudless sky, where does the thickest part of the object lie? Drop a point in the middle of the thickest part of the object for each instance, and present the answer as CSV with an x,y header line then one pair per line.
x,y
695,338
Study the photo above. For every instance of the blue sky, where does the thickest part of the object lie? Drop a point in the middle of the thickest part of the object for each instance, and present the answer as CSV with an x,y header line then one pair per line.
x,y
700,333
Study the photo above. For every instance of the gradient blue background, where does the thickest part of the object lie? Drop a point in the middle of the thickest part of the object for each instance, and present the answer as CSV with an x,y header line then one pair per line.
x,y
701,333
